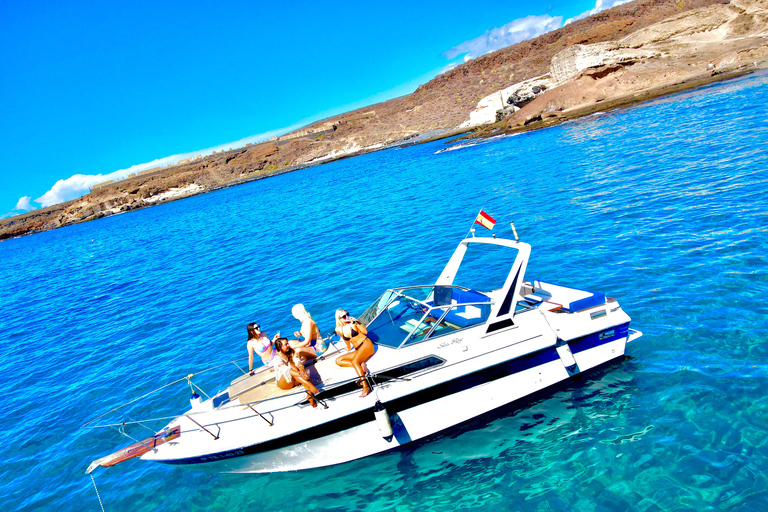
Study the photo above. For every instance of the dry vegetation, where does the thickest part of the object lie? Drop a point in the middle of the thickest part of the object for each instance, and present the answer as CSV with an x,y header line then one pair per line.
x,y
442,103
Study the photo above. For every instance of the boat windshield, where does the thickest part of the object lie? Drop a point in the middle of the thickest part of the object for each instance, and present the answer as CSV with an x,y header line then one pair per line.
x,y
403,316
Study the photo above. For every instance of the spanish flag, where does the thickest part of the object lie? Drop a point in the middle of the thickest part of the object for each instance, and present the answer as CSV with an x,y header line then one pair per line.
x,y
485,220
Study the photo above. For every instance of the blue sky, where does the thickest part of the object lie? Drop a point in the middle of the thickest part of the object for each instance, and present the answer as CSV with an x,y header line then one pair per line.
x,y
95,90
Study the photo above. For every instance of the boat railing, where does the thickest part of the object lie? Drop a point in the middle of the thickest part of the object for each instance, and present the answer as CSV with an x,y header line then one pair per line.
x,y
187,379
227,403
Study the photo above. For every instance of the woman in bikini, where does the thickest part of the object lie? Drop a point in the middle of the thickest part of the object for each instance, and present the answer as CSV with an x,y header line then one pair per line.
x,y
286,372
309,343
260,343
354,335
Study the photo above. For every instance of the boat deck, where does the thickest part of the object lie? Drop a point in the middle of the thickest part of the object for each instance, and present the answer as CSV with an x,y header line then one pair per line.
x,y
323,372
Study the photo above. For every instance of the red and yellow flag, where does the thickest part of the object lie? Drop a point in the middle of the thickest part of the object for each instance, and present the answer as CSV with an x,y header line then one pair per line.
x,y
485,220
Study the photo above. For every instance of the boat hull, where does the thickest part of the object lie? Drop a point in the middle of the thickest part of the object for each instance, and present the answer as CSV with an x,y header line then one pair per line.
x,y
413,417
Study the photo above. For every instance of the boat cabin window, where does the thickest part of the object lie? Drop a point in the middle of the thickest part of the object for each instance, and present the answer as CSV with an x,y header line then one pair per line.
x,y
398,318
441,321
409,368
397,321
377,307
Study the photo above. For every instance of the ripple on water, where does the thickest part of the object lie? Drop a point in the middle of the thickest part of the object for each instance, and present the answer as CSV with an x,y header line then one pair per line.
x,y
670,218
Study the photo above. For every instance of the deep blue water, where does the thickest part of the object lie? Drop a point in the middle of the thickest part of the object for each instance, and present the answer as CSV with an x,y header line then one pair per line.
x,y
663,206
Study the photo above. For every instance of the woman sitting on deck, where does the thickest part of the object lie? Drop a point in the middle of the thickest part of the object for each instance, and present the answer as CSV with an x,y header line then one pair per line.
x,y
260,343
286,371
354,335
312,344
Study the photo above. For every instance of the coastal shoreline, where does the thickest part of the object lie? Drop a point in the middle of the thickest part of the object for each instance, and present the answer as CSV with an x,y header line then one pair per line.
x,y
456,135
622,102
628,55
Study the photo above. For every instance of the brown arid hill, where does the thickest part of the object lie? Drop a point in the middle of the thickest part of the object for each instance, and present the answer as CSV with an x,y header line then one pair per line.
x,y
684,50
617,57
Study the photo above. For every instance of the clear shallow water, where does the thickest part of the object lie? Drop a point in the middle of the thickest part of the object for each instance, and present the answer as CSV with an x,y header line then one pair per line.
x,y
664,206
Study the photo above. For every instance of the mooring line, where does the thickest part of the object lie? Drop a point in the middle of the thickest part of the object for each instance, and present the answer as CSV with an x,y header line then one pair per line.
x,y
97,492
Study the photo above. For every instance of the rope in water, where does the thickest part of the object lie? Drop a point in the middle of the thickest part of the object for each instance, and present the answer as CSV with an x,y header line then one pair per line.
x,y
97,492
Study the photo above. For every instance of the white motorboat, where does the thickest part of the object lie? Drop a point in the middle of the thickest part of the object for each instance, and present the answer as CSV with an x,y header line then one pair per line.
x,y
444,354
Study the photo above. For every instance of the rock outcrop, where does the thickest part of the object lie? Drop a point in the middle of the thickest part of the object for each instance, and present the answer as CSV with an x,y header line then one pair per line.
x,y
513,97
568,64
683,48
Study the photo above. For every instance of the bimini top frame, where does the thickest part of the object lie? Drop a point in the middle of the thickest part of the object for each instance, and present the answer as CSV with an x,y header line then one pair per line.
x,y
403,316
503,311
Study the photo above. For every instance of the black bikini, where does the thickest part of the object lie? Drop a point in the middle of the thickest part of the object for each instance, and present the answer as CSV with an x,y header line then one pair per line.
x,y
352,332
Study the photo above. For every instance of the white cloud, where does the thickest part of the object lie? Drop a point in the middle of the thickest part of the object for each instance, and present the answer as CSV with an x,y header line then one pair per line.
x,y
80,184
600,5
519,30
70,188
513,32
24,204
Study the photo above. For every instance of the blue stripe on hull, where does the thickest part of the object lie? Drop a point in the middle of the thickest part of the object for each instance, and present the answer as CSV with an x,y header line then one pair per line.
x,y
462,383
599,338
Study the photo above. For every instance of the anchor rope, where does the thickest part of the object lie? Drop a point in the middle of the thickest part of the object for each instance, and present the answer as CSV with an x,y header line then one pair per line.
x,y
97,492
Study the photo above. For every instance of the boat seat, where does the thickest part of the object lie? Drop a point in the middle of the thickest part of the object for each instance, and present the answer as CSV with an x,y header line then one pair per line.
x,y
572,299
459,317
323,371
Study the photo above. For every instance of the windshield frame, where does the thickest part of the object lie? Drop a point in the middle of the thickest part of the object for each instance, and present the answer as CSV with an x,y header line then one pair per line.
x,y
385,300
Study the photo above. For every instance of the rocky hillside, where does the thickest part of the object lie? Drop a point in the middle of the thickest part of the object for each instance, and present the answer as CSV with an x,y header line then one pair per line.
x,y
683,50
633,51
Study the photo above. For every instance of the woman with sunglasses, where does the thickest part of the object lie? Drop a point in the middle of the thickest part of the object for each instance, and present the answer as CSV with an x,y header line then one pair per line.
x,y
354,335
260,343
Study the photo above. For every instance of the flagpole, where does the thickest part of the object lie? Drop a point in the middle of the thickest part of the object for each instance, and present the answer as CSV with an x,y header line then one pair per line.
x,y
473,222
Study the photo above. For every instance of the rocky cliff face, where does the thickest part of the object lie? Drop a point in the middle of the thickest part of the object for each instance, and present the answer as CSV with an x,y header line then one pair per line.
x,y
633,47
683,48
568,64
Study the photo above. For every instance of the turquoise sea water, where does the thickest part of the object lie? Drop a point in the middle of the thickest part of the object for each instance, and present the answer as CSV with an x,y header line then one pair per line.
x,y
663,206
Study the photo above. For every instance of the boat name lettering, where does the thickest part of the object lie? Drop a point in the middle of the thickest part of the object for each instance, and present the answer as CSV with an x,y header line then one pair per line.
x,y
454,341
227,455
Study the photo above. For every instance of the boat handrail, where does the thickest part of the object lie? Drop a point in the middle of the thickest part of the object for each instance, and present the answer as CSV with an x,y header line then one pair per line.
x,y
185,378
226,405
427,286
300,393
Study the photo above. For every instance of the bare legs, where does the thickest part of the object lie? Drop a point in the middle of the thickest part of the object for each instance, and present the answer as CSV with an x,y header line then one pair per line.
x,y
306,353
286,384
357,361
311,389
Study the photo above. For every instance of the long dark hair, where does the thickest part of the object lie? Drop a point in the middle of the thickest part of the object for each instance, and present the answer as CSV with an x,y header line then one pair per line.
x,y
252,328
283,342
